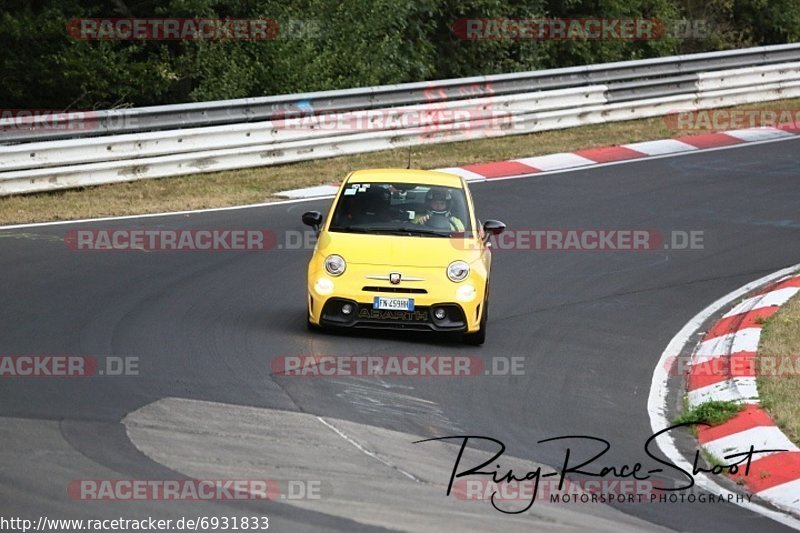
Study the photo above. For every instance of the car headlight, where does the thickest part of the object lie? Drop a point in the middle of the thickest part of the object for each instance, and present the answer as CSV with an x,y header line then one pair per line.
x,y
465,293
457,271
323,286
335,265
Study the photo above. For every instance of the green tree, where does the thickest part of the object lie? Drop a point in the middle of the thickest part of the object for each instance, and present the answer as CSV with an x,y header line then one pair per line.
x,y
331,44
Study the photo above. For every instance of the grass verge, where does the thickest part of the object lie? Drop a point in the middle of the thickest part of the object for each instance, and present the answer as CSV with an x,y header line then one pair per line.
x,y
256,185
714,413
778,368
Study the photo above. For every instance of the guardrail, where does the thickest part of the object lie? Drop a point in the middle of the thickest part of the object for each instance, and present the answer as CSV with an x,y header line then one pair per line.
x,y
290,128
433,112
665,74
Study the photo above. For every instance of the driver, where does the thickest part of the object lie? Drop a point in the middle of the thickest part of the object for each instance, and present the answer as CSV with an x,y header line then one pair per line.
x,y
438,202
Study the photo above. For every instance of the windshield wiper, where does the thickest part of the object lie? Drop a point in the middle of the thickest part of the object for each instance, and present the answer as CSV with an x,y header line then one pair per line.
x,y
392,231
411,231
350,229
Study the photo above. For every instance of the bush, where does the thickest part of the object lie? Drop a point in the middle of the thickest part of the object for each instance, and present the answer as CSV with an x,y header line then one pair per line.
x,y
340,45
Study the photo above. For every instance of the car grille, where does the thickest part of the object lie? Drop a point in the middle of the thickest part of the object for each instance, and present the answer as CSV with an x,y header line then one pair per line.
x,y
406,290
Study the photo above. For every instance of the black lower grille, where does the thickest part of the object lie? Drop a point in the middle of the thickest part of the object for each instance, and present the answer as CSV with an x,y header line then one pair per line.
x,y
364,316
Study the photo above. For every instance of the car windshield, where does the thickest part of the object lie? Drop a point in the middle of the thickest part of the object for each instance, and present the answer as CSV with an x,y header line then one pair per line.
x,y
411,209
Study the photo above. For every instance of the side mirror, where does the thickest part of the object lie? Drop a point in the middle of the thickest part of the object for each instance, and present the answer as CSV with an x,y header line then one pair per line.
x,y
313,219
492,227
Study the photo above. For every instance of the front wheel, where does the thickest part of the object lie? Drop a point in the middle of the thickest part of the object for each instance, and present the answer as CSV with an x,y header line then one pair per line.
x,y
310,326
479,337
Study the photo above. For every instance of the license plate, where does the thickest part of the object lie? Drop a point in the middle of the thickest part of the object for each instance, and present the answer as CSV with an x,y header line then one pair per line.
x,y
403,304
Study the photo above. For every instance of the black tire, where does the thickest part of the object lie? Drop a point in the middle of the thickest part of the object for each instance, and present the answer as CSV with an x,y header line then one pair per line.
x,y
479,337
311,326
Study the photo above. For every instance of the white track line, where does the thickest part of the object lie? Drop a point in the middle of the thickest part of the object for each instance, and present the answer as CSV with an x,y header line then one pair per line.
x,y
560,161
773,298
656,402
319,191
787,494
463,172
762,437
735,389
664,146
742,340
164,214
758,134
367,452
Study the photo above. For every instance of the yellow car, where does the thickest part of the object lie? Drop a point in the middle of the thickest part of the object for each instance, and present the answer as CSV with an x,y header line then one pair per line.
x,y
401,249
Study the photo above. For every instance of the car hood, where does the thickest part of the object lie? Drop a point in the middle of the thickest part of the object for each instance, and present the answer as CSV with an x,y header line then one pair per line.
x,y
397,250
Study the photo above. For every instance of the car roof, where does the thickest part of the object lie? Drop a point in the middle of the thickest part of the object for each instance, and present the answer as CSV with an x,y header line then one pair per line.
x,y
404,175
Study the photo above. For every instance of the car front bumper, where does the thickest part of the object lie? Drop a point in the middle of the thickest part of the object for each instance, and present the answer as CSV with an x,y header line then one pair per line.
x,y
462,314
420,319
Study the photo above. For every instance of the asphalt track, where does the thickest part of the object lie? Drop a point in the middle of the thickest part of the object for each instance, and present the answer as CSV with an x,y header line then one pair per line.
x,y
205,326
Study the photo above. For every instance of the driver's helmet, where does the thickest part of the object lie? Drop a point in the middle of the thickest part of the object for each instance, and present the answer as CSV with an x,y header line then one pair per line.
x,y
438,200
